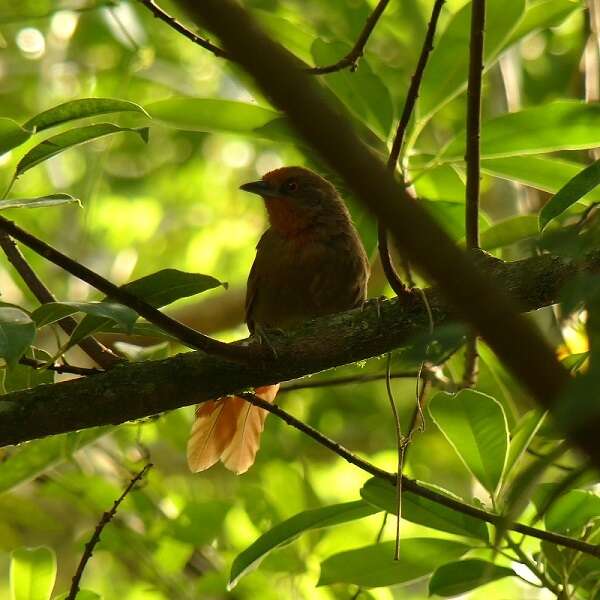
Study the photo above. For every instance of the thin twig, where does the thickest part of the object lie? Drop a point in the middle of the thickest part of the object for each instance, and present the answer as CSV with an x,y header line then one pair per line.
x,y
472,156
172,22
351,59
99,353
307,385
530,564
473,159
185,334
105,519
73,370
409,104
412,486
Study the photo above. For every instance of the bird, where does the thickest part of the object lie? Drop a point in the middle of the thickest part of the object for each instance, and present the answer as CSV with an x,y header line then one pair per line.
x,y
309,262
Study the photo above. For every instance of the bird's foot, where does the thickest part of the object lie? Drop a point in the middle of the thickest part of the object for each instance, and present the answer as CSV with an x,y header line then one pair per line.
x,y
377,302
264,337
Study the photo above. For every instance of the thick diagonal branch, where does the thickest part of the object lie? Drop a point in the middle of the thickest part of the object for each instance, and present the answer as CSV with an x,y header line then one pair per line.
x,y
135,391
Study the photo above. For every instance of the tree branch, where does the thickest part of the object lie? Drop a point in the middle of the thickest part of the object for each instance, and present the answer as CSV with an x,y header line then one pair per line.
x,y
188,336
137,390
409,105
350,60
417,489
94,349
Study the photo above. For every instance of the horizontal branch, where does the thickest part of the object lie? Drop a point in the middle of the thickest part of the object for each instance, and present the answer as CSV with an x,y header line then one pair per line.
x,y
135,391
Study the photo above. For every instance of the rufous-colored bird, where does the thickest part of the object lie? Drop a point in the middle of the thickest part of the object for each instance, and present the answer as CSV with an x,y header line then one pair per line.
x,y
309,262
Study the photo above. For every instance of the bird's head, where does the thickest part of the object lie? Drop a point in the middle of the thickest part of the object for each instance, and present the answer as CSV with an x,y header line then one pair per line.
x,y
297,199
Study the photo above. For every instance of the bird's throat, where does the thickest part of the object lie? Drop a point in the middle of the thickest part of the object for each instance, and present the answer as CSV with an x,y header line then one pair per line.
x,y
286,218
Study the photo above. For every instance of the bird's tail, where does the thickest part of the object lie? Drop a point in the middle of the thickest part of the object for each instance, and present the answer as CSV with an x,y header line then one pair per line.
x,y
228,429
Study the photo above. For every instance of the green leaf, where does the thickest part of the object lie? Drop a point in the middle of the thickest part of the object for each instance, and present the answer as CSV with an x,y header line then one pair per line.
x,y
11,135
522,435
287,531
42,201
540,172
17,331
80,109
542,15
509,231
575,189
572,511
32,458
476,427
69,139
297,39
81,595
424,511
451,216
374,566
362,91
52,312
32,573
158,289
22,377
113,311
447,71
561,125
209,114
462,576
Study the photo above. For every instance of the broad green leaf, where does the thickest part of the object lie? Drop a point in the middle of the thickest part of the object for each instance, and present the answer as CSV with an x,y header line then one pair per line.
x,y
540,172
80,109
209,114
451,216
522,435
476,427
446,74
158,289
287,531
509,231
423,511
560,125
572,511
362,92
134,353
69,139
440,183
199,523
32,573
374,566
17,331
11,135
113,311
42,201
542,15
463,576
297,38
52,312
32,458
575,189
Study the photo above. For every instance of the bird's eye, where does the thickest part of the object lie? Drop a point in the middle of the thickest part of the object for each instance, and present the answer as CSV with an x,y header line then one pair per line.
x,y
290,186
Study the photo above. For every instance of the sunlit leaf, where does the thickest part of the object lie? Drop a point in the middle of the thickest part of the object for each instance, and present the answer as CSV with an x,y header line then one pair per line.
x,y
509,231
11,135
575,189
41,202
447,71
22,377
285,532
522,435
32,458
80,109
32,573
462,576
69,139
374,566
544,173
475,425
560,125
81,595
423,511
572,511
17,331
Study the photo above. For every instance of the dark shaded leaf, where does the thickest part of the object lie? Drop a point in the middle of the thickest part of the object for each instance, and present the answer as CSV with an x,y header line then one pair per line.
x,y
462,576
17,331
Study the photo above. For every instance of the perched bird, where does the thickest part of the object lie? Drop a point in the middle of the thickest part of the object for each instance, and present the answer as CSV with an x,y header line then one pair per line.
x,y
309,262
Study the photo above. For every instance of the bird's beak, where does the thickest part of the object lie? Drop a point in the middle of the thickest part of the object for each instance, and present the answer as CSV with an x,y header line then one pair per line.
x,y
262,188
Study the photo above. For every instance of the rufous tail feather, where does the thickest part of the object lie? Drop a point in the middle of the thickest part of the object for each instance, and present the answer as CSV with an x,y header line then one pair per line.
x,y
228,429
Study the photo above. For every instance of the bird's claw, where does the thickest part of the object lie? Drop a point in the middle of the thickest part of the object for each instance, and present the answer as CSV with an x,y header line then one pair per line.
x,y
262,335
